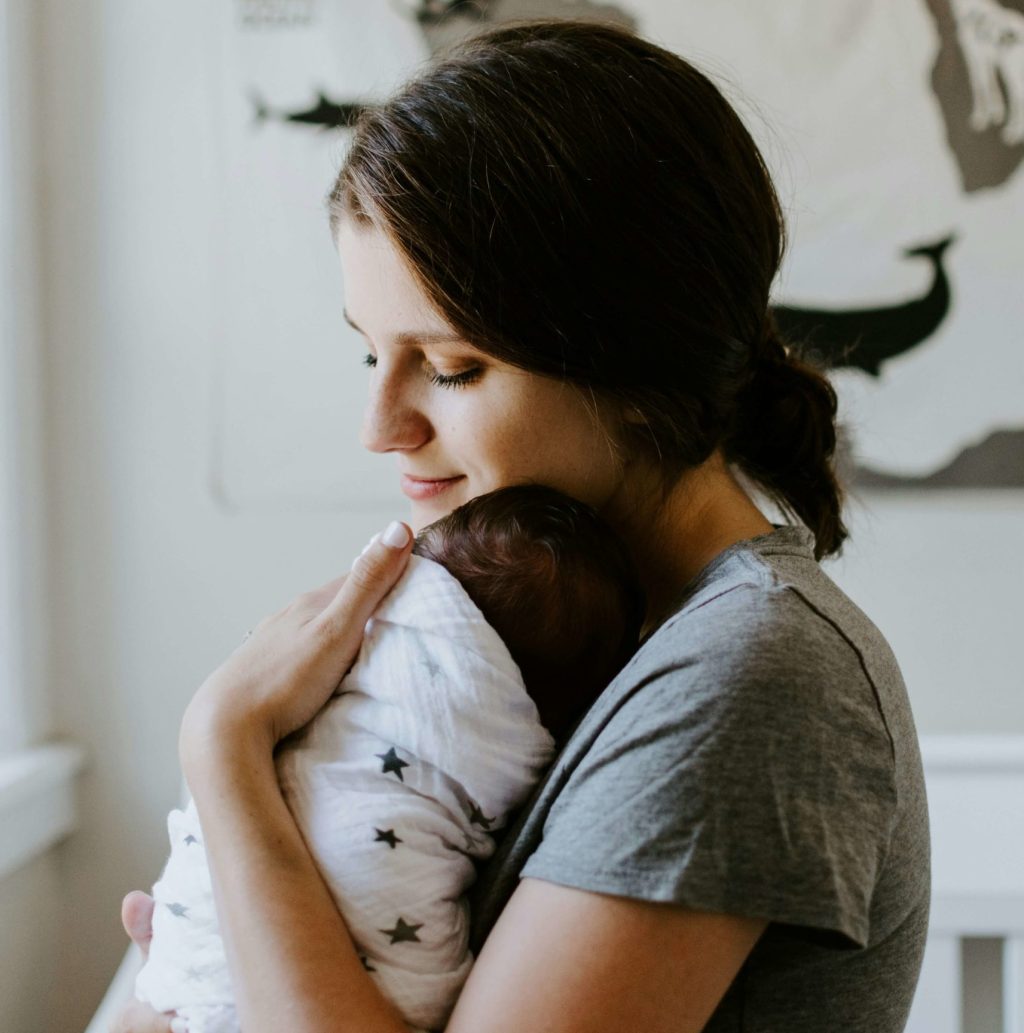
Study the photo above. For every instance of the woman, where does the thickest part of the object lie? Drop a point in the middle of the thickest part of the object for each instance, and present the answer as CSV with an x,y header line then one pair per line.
x,y
558,244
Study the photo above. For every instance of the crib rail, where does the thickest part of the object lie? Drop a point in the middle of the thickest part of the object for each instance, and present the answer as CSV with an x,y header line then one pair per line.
x,y
976,803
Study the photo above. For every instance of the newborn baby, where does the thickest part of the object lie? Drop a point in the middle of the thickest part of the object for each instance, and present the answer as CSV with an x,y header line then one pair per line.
x,y
514,613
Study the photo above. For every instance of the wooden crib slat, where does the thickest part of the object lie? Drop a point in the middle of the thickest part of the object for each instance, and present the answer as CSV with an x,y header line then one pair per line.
x,y
938,1002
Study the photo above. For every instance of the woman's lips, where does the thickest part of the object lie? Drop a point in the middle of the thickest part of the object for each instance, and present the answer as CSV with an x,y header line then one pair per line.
x,y
419,488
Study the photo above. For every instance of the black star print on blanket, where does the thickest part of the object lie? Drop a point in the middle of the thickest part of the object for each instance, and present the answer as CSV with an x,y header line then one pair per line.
x,y
387,836
392,763
403,932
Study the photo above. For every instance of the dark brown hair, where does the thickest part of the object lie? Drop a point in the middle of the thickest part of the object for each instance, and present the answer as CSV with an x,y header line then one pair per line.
x,y
580,202
554,581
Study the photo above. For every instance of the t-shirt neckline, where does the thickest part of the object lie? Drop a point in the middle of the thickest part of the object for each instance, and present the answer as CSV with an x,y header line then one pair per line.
x,y
782,539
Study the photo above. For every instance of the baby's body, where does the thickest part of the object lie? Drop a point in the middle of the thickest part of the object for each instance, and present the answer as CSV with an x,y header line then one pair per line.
x,y
430,743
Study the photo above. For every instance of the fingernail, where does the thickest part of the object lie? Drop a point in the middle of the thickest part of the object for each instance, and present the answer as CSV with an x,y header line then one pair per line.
x,y
396,536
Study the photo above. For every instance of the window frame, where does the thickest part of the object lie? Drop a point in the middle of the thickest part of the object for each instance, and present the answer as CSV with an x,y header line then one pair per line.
x,y
13,720
37,802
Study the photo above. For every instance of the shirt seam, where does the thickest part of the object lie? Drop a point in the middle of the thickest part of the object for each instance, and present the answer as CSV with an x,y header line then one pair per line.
x,y
863,666
772,578
685,610
878,704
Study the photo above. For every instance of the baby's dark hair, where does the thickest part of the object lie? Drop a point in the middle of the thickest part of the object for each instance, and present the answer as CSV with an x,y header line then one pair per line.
x,y
554,581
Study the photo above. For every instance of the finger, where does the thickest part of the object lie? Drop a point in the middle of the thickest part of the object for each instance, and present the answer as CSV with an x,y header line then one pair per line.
x,y
136,1017
318,598
373,575
321,596
137,918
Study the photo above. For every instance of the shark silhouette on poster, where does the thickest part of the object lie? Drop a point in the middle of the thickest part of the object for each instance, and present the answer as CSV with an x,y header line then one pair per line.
x,y
323,113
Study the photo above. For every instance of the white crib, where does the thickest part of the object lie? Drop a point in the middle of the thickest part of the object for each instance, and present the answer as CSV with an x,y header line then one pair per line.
x,y
976,801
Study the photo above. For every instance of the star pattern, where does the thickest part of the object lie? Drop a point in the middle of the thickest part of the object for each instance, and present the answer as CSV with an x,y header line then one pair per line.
x,y
476,816
403,932
178,910
432,666
387,836
192,974
392,763
190,839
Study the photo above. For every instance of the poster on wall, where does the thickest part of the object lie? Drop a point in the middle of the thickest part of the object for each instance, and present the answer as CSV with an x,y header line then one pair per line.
x,y
894,128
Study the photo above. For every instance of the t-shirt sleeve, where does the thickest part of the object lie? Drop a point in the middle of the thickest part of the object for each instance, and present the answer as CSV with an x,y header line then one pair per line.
x,y
754,777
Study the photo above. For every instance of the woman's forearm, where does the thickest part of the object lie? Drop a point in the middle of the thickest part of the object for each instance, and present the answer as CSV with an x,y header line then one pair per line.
x,y
293,964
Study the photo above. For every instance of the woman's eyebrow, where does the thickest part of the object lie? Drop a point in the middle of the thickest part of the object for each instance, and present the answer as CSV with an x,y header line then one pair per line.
x,y
413,336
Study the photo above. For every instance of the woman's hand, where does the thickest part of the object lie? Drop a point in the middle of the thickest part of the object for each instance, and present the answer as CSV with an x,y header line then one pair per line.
x,y
281,676
274,683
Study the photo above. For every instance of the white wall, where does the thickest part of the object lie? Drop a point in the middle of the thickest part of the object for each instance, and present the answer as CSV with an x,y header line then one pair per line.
x,y
153,582
942,575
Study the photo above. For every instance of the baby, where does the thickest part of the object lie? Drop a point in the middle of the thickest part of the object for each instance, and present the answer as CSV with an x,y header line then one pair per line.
x,y
514,613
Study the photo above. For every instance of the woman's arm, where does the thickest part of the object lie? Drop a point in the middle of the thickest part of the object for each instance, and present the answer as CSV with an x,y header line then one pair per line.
x,y
558,959
286,945
563,960
293,964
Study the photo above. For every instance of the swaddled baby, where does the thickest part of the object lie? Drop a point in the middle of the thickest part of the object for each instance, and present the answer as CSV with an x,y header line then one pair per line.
x,y
514,612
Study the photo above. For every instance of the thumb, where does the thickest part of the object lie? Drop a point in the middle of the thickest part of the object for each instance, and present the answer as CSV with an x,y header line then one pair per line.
x,y
137,919
373,575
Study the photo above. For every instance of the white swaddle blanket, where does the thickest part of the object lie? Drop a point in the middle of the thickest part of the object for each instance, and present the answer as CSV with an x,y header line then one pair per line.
x,y
429,743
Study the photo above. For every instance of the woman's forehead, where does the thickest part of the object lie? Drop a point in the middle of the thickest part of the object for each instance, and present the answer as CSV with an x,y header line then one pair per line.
x,y
382,294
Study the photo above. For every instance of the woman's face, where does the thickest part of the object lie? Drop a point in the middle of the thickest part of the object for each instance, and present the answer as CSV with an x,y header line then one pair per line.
x,y
459,422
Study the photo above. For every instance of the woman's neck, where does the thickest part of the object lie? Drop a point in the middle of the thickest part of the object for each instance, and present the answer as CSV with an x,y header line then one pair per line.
x,y
672,541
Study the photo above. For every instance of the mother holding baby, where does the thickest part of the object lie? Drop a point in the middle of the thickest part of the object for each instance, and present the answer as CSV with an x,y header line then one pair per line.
x,y
558,243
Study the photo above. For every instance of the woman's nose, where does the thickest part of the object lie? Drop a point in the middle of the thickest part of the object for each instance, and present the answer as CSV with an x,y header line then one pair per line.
x,y
391,421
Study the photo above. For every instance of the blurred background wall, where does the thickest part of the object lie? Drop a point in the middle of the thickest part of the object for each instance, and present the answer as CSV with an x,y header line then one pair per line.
x,y
152,571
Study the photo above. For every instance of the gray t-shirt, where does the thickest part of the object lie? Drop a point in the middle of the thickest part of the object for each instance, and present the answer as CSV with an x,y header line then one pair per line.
x,y
757,756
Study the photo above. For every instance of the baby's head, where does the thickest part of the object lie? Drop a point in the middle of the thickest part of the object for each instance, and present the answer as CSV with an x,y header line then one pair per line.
x,y
554,581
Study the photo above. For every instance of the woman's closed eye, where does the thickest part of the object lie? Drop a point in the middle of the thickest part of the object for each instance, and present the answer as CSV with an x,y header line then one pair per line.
x,y
460,379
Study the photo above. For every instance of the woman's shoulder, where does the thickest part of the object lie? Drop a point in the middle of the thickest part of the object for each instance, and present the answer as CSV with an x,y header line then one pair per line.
x,y
764,657
764,611
765,697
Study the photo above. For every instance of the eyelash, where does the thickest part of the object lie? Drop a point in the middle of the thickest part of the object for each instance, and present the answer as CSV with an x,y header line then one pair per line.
x,y
463,379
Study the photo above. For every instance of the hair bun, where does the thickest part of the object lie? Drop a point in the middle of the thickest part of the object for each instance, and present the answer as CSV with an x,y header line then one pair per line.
x,y
786,437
